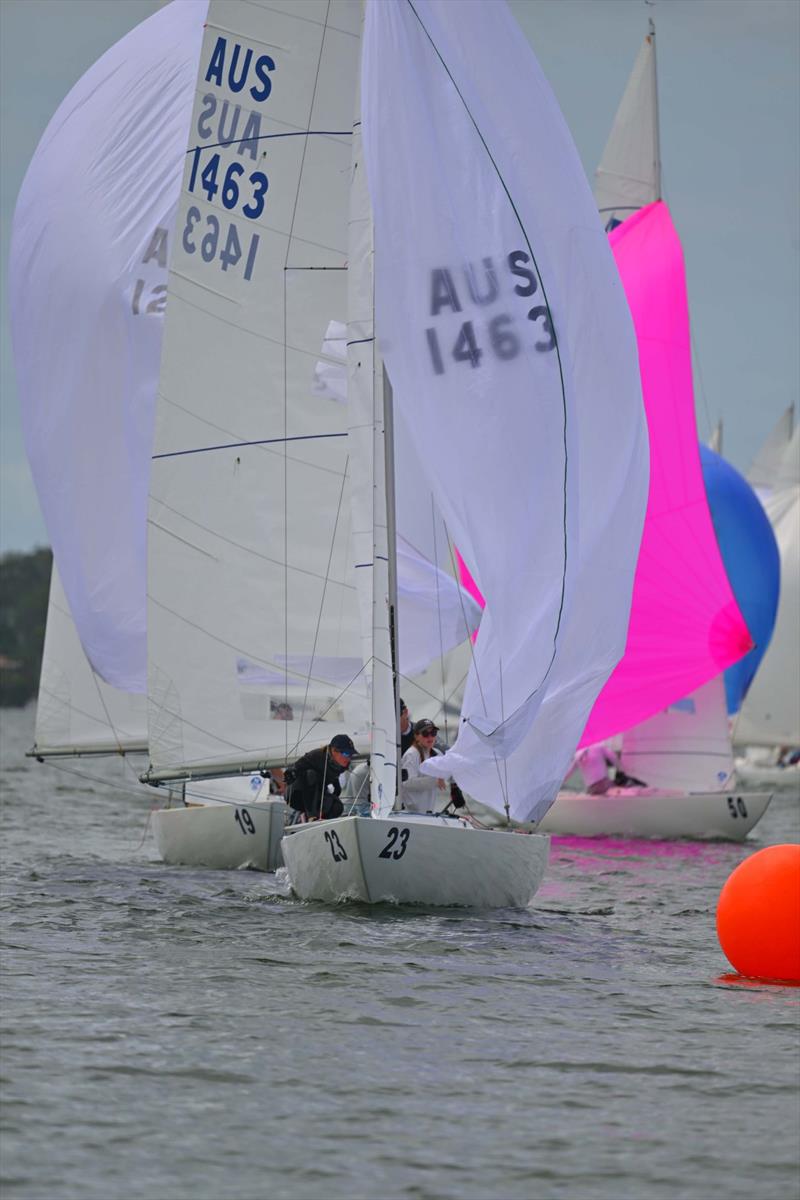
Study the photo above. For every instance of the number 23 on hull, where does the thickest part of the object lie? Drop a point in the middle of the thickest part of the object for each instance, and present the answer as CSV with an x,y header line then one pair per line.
x,y
407,860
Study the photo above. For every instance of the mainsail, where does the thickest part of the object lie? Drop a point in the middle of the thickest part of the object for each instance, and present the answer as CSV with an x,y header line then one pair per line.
x,y
629,174
770,715
254,637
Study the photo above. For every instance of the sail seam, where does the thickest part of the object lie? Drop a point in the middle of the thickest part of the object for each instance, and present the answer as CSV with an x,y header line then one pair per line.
x,y
306,437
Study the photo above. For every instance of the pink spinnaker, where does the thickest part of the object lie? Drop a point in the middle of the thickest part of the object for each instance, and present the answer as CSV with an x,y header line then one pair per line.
x,y
685,625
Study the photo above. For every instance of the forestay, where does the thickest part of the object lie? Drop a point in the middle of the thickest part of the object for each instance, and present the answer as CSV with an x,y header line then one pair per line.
x,y
76,712
513,361
87,273
254,639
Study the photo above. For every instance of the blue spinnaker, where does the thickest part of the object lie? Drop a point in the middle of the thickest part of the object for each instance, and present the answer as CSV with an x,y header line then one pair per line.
x,y
750,554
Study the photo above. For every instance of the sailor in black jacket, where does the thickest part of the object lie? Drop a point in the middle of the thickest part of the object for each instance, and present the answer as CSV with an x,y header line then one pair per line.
x,y
315,790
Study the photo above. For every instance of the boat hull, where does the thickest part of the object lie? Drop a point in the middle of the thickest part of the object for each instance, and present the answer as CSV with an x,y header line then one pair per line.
x,y
398,860
648,813
222,836
751,773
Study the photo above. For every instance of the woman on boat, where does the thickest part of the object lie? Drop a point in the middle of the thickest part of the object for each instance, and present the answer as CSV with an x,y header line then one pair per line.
x,y
419,792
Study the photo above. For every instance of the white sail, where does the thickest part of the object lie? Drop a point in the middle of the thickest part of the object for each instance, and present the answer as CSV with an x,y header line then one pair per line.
x,y
510,349
255,646
629,174
770,714
776,465
76,712
87,274
687,747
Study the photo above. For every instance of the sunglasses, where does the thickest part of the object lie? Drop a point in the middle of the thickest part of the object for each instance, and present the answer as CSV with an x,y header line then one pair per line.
x,y
427,735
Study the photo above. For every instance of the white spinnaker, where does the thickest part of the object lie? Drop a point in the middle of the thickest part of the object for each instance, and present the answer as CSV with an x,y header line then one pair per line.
x,y
87,282
76,712
770,714
515,432
687,747
253,614
629,174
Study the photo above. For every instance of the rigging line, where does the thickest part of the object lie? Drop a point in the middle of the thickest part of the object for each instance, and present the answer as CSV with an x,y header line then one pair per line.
x,y
285,373
264,137
439,615
324,588
107,783
343,584
555,339
263,662
474,662
305,437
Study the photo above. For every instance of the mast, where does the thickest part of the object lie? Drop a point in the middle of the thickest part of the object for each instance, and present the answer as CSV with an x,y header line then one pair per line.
x,y
391,537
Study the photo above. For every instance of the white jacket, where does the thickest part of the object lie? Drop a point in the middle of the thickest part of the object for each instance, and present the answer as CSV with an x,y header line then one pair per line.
x,y
419,793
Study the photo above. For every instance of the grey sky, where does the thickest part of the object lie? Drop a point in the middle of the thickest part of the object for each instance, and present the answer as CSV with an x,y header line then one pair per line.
x,y
730,140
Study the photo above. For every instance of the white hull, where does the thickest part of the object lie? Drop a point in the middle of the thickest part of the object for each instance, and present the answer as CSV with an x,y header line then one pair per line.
x,y
224,836
648,813
757,774
402,860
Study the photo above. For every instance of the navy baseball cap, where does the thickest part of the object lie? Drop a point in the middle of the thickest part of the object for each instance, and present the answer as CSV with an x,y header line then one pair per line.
x,y
343,744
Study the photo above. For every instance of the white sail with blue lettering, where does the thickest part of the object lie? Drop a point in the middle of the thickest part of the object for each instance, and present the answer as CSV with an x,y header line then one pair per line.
x,y
255,646
506,334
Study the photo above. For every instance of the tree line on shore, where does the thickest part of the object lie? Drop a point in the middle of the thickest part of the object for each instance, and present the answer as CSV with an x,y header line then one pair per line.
x,y
24,588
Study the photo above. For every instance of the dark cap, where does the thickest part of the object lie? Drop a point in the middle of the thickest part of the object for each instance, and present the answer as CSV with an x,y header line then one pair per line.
x,y
343,744
424,726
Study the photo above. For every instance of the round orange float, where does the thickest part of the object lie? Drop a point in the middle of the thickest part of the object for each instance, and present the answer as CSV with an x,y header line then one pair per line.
x,y
758,915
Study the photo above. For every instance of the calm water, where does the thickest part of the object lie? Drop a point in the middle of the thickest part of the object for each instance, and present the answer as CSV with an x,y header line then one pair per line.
x,y
172,1033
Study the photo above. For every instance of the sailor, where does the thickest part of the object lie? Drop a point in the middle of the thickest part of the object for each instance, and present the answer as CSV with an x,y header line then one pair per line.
x,y
419,792
594,762
315,788
406,732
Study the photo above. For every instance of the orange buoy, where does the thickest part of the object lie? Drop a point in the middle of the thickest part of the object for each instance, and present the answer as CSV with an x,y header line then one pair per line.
x,y
758,915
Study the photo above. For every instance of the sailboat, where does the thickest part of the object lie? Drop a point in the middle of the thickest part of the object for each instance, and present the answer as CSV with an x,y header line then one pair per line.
x,y
273,537
768,723
87,409
667,696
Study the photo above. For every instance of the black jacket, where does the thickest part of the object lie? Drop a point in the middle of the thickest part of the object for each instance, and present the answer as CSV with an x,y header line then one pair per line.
x,y
315,790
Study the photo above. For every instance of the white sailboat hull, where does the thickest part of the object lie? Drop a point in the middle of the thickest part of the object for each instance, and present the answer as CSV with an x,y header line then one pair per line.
x,y
222,836
648,813
400,860
753,773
